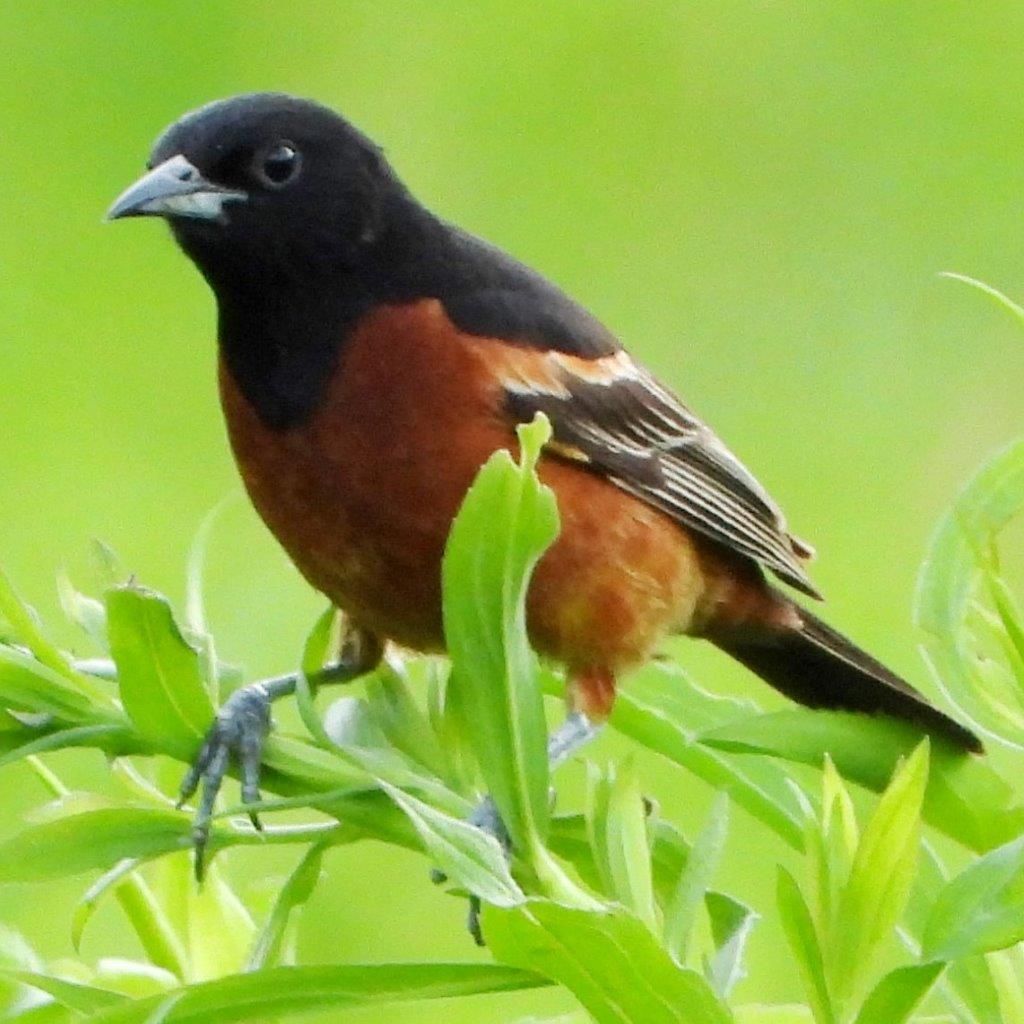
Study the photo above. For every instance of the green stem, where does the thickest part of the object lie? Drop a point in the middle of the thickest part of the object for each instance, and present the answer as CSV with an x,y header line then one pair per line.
x,y
137,901
155,932
48,778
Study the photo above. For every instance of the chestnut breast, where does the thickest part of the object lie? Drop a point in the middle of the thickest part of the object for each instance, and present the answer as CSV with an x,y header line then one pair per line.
x,y
362,497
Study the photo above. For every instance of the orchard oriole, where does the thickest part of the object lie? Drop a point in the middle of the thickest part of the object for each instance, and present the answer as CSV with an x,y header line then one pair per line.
x,y
373,356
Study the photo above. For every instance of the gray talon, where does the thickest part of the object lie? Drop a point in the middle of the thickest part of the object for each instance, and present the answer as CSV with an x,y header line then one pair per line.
x,y
473,921
241,727
575,732
487,819
239,730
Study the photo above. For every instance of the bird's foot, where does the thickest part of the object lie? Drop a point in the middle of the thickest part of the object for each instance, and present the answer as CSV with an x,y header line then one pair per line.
x,y
487,818
239,730
241,727
575,732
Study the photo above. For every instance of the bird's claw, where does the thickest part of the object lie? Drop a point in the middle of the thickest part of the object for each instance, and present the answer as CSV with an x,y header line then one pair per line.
x,y
239,731
486,818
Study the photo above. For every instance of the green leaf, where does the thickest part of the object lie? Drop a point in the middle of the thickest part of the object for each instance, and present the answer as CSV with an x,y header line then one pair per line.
x,y
666,711
629,855
108,735
28,685
831,845
220,929
382,762
948,581
609,960
981,910
754,1014
464,852
966,798
880,879
681,916
506,522
803,940
23,621
974,990
75,996
195,606
400,719
16,954
288,991
896,996
89,840
318,642
570,839
85,612
599,785
1006,976
731,925
161,683
266,950
135,978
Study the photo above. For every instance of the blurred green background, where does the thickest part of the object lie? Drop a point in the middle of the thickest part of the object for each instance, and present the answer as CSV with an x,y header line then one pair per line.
x,y
756,196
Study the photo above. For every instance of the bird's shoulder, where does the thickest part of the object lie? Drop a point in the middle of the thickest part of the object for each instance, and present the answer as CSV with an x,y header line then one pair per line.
x,y
488,293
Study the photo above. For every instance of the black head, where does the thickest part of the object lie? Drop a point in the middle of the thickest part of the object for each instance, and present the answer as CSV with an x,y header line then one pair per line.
x,y
261,184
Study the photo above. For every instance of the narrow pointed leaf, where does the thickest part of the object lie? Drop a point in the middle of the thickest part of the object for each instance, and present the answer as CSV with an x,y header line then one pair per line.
x,y
897,995
880,880
629,855
91,839
85,612
665,710
294,893
220,929
609,960
982,909
284,992
681,916
87,905
599,786
731,925
108,735
966,798
948,581
507,521
806,947
72,994
464,852
29,685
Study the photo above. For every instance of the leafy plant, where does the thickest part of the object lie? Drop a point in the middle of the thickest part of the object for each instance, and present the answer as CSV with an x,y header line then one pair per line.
x,y
610,901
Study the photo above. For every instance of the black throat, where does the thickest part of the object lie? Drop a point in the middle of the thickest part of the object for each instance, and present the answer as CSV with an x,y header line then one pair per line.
x,y
281,342
283,321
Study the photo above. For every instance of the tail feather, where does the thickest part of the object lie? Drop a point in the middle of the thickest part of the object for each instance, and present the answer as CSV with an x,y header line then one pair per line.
x,y
818,667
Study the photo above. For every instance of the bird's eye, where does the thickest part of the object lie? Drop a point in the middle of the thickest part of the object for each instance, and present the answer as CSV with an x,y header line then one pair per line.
x,y
278,165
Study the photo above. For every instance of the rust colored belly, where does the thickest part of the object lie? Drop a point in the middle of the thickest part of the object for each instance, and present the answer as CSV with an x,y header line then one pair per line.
x,y
363,495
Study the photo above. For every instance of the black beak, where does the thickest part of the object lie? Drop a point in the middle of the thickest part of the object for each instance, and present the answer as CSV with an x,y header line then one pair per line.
x,y
174,189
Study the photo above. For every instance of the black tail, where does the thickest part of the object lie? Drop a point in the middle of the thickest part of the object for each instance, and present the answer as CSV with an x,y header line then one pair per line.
x,y
820,668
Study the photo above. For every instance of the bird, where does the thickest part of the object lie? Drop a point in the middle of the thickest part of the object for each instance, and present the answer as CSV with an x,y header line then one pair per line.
x,y
373,356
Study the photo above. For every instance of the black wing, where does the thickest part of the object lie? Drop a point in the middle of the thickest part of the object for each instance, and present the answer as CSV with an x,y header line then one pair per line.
x,y
612,415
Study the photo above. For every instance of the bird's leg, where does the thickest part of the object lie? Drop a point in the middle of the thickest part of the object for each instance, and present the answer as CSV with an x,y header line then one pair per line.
x,y
589,699
241,727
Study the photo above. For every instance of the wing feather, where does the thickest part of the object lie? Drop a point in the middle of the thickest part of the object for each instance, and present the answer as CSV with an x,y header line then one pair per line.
x,y
641,437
